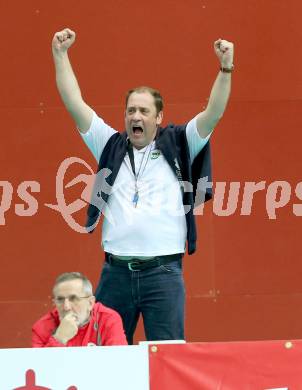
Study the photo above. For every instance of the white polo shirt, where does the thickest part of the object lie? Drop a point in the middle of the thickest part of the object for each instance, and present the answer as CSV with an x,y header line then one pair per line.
x,y
157,225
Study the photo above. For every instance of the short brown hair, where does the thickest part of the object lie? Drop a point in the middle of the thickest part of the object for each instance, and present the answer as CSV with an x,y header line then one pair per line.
x,y
158,100
66,276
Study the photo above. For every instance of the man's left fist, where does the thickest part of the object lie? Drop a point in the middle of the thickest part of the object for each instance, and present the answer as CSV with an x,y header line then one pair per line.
x,y
225,52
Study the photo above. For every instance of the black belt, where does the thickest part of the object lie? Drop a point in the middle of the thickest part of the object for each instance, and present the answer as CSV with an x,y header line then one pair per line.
x,y
138,265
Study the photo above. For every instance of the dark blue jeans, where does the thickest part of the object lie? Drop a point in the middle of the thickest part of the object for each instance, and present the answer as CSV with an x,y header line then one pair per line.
x,y
157,293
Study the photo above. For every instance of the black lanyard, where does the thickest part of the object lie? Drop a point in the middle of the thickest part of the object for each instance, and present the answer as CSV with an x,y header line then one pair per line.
x,y
131,157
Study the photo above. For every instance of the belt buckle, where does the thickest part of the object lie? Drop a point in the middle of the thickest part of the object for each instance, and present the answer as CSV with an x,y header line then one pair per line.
x,y
130,264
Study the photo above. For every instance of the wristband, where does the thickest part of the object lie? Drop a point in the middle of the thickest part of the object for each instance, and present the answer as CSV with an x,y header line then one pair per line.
x,y
227,70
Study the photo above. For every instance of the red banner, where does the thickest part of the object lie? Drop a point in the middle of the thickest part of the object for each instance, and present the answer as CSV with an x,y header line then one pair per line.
x,y
263,365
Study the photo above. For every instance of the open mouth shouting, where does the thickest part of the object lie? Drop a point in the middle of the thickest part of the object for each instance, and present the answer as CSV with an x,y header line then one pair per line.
x,y
137,130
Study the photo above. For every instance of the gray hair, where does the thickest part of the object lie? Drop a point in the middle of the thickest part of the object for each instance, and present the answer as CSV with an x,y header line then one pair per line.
x,y
66,276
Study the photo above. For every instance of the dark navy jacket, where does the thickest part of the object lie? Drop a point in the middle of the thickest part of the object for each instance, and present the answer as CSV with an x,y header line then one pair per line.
x,y
172,142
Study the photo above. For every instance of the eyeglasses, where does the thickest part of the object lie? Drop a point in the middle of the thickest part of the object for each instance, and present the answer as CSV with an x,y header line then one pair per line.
x,y
71,298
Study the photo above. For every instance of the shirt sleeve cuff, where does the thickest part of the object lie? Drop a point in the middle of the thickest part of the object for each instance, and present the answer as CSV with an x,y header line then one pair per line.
x,y
192,126
87,133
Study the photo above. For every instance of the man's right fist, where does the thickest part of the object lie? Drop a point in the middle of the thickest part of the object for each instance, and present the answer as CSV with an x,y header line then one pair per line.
x,y
62,40
67,329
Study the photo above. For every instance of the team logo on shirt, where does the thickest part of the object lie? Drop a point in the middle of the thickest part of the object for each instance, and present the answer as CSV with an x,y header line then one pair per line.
x,y
155,154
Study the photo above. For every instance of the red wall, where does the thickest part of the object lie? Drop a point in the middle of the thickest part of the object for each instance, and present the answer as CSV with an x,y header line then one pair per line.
x,y
244,283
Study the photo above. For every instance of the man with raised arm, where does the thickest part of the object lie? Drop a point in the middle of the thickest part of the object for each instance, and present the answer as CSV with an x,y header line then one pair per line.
x,y
148,212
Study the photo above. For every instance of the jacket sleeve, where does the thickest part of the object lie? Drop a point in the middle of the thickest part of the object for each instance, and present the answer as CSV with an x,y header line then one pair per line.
x,y
113,331
42,337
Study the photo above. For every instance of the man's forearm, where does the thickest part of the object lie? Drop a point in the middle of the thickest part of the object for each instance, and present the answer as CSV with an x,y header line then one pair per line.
x,y
207,119
219,96
66,82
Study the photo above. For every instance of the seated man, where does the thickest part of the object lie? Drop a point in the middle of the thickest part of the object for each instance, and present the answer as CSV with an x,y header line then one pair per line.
x,y
77,320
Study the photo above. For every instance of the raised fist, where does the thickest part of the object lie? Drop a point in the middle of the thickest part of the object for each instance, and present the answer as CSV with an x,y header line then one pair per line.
x,y
225,52
62,40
